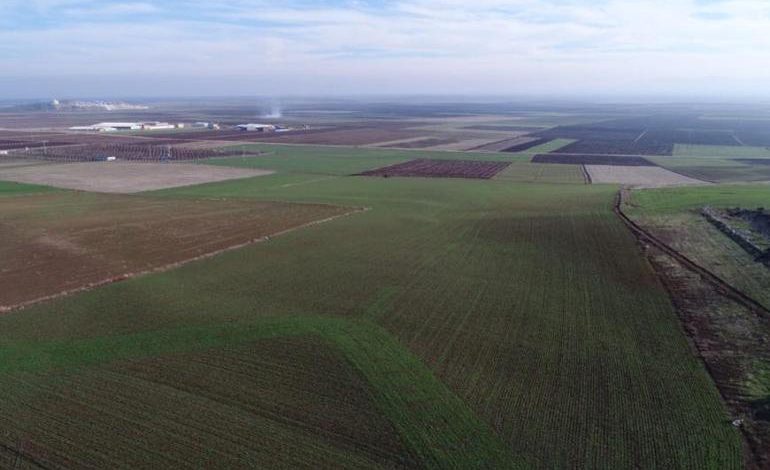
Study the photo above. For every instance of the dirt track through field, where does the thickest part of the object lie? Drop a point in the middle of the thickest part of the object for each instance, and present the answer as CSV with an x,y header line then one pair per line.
x,y
122,177
724,287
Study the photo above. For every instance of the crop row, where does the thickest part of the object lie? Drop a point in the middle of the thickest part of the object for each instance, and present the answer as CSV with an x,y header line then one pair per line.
x,y
133,152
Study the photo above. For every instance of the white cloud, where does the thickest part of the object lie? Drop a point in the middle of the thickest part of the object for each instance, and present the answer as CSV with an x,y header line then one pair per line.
x,y
490,46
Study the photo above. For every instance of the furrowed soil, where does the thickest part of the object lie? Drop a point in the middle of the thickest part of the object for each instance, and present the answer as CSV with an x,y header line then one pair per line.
x,y
532,330
61,241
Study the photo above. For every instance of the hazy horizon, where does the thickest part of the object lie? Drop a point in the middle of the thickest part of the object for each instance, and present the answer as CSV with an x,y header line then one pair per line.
x,y
675,50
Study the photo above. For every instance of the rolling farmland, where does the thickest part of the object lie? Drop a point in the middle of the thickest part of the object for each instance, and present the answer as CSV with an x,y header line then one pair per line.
x,y
482,308
442,298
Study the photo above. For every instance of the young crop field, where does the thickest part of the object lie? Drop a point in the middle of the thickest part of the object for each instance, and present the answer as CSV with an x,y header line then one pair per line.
x,y
292,401
428,168
716,169
681,150
61,241
8,188
526,172
441,297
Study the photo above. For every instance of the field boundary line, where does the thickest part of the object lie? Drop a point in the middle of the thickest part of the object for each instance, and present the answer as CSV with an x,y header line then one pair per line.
x,y
167,267
22,456
723,287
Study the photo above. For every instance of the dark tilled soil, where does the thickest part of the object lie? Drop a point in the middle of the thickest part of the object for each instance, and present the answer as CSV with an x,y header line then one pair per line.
x,y
527,145
441,169
754,161
585,159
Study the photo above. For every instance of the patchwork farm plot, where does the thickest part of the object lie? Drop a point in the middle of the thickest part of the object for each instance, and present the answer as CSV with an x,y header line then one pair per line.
x,y
429,168
442,299
659,134
62,241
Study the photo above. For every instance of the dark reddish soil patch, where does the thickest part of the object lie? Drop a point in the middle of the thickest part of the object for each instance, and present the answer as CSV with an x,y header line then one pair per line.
x,y
441,169
527,145
501,128
582,159
754,161
419,144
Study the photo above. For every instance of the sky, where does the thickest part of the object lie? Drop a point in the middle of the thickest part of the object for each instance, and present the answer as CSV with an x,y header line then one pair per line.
x,y
123,48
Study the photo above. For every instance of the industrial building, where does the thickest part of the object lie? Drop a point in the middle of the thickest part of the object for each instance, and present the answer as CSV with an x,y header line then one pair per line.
x,y
205,125
127,126
256,127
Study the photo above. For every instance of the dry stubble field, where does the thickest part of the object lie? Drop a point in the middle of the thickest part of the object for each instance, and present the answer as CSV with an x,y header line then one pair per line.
x,y
122,177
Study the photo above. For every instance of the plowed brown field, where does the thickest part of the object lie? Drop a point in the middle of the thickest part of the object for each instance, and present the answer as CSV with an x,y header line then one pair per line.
x,y
64,241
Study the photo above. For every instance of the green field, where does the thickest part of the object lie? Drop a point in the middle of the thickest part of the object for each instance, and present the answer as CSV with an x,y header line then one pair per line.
x,y
673,200
715,169
8,188
716,163
689,150
526,172
492,324
339,161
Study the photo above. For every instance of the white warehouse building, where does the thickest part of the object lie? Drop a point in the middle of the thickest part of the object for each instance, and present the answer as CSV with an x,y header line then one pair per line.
x,y
256,127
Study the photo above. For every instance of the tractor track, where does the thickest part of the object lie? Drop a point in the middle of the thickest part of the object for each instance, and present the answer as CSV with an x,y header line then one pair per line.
x,y
722,286
586,175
